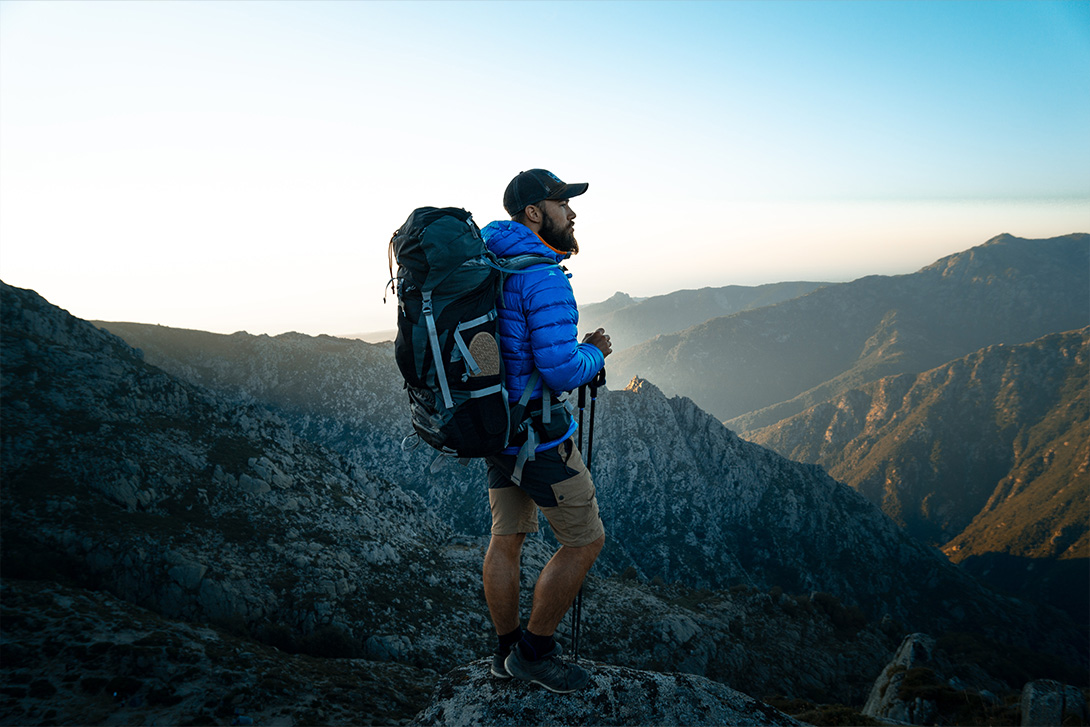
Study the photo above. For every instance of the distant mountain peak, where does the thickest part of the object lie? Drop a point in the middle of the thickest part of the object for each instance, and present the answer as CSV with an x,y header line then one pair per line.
x,y
643,386
619,299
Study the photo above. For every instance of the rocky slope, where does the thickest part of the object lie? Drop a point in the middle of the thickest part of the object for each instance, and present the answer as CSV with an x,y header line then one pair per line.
x,y
758,367
77,657
630,321
684,499
119,476
121,479
209,509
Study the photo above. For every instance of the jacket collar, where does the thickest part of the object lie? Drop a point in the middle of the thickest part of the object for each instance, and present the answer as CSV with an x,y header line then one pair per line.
x,y
507,238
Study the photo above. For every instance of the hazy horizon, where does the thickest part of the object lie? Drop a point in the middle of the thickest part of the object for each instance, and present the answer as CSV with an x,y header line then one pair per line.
x,y
240,165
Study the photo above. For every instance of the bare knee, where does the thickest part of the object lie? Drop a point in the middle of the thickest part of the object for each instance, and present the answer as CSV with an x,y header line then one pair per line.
x,y
596,546
589,552
507,545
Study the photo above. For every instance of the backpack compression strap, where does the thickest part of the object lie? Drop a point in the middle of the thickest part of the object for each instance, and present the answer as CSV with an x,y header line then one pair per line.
x,y
529,447
436,352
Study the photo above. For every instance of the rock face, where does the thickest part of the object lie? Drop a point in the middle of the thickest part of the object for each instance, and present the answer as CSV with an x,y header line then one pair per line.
x,y
471,696
684,499
204,508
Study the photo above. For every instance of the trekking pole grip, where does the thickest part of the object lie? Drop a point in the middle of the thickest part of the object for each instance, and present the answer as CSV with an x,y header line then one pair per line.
x,y
598,380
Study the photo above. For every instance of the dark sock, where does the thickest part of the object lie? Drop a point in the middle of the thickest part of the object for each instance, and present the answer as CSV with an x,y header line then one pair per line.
x,y
533,647
509,640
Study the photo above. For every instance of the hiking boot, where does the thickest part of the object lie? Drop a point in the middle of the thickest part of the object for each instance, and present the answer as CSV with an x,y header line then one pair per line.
x,y
551,672
498,669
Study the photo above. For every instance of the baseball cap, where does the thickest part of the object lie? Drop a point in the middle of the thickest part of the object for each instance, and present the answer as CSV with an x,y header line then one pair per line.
x,y
530,187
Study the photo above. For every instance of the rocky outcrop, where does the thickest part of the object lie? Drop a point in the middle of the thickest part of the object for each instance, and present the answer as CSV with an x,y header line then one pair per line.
x,y
471,696
1046,703
885,699
924,684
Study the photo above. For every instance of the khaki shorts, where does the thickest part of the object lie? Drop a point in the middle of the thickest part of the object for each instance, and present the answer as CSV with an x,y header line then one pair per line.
x,y
556,482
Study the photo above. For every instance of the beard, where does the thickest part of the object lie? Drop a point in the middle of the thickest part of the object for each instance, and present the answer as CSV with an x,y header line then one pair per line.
x,y
558,238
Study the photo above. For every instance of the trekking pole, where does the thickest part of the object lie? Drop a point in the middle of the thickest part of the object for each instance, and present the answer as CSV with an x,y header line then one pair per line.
x,y
598,380
577,607
582,405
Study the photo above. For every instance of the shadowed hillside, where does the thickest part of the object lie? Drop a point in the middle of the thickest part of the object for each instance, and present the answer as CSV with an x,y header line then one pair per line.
x,y
987,455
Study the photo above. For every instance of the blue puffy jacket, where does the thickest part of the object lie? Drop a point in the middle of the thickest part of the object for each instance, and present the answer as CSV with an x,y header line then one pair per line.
x,y
538,321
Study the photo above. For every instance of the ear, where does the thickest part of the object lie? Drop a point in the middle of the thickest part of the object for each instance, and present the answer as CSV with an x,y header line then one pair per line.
x,y
534,214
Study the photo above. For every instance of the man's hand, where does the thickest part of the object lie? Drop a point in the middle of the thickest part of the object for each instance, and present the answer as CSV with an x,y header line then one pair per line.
x,y
599,339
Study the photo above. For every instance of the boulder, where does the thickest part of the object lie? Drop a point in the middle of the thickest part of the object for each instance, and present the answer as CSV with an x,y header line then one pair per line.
x,y
469,696
885,700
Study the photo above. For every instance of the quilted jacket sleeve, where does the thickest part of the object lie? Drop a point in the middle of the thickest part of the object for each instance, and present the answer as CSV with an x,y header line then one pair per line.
x,y
553,322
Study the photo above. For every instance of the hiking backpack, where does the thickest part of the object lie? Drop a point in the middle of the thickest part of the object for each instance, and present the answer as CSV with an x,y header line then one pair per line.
x,y
447,286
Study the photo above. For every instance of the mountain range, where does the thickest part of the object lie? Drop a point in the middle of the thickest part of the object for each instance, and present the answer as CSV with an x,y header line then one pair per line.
x,y
906,390
634,320
222,500
755,368
695,504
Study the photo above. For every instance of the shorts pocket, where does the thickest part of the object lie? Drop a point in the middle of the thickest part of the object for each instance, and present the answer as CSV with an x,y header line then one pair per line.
x,y
575,520
575,492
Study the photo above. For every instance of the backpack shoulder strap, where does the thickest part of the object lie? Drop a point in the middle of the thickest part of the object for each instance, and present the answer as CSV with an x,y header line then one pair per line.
x,y
519,263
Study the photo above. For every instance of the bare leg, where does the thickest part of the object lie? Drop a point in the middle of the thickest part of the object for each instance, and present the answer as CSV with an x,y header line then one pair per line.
x,y
558,585
501,581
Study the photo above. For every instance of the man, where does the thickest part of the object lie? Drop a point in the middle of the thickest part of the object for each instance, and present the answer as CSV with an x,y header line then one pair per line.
x,y
538,332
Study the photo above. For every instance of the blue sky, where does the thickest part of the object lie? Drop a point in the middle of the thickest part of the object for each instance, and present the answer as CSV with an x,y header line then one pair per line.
x,y
240,165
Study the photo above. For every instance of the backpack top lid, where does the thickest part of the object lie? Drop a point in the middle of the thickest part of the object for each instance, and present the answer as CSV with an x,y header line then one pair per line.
x,y
434,241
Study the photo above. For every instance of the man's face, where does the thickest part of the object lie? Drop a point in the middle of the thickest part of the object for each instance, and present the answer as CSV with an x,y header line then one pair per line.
x,y
558,225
